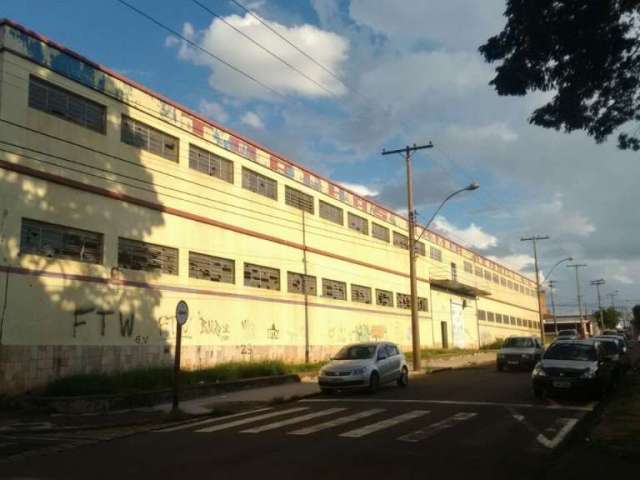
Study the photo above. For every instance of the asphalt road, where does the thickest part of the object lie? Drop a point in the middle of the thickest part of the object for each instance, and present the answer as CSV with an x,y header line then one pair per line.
x,y
474,423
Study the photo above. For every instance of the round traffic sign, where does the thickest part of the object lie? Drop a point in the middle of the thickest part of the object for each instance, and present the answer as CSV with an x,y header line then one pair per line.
x,y
182,312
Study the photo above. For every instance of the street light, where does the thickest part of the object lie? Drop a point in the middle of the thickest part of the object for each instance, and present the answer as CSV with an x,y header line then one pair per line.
x,y
469,188
548,275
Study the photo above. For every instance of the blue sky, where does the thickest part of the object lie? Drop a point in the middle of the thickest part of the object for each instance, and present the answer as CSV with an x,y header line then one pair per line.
x,y
409,72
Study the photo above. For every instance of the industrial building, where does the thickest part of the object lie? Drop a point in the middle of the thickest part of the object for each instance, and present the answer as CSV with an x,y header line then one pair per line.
x,y
116,203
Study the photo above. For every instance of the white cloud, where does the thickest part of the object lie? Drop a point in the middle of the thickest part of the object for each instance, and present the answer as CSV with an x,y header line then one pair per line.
x,y
518,262
253,120
471,236
213,110
494,131
360,189
327,48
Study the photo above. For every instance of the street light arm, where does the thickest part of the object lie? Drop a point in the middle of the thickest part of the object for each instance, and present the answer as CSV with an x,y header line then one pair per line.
x,y
548,276
424,229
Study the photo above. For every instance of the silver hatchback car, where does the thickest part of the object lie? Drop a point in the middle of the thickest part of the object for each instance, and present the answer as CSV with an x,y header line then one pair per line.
x,y
364,366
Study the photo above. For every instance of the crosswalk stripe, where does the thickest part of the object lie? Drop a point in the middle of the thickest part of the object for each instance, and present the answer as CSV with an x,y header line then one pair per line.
x,y
184,426
244,421
434,428
374,427
337,422
290,421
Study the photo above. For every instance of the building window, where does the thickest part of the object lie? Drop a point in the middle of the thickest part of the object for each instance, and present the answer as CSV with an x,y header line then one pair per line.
x,y
510,284
403,301
482,315
495,278
215,269
297,281
358,223
380,232
479,272
148,257
331,212
487,275
454,272
300,200
147,138
58,241
210,163
519,322
384,298
498,318
334,289
400,240
261,277
491,317
436,254
259,184
420,248
62,103
423,304
360,294
503,281
468,267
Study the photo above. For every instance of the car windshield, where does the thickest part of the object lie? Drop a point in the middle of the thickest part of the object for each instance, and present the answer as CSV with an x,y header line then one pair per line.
x,y
356,352
610,348
518,342
571,351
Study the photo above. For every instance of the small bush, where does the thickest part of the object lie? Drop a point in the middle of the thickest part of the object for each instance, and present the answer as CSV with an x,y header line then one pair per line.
x,y
495,345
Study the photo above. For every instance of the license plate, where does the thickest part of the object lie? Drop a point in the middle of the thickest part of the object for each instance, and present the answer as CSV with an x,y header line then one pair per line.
x,y
513,362
335,380
562,384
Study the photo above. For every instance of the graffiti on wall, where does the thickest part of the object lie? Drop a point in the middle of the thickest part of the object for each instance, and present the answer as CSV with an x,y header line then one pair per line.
x,y
124,325
273,333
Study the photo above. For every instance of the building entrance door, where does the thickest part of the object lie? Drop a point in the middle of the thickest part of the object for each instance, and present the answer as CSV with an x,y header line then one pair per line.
x,y
444,331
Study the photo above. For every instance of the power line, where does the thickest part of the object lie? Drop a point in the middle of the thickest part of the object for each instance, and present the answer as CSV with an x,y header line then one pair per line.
x,y
202,49
265,49
257,17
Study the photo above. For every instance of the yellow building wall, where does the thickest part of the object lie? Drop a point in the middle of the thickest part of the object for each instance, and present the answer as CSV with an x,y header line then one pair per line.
x,y
69,317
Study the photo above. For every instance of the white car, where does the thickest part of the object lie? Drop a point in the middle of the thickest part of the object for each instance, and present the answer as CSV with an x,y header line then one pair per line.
x,y
364,366
519,352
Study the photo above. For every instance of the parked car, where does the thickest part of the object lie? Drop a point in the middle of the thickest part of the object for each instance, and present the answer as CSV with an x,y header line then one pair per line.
x,y
519,352
616,347
364,366
574,366
571,334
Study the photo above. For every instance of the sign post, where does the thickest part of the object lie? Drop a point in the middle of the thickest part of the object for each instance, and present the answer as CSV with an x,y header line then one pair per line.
x,y
182,315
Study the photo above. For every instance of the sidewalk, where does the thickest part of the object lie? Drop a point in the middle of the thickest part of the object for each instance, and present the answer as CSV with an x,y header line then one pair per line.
x,y
448,362
277,393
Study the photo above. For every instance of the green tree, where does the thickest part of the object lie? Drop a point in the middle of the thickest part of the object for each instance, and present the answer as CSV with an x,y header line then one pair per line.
x,y
611,317
636,317
587,53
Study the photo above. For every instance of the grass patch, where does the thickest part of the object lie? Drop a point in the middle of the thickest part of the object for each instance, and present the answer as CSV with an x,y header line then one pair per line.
x,y
140,380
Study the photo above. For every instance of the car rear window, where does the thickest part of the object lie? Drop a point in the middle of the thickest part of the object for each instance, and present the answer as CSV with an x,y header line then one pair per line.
x,y
571,351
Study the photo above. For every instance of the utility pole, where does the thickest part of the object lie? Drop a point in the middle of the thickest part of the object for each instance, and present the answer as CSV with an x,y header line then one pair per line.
x,y
612,296
534,239
577,266
552,286
597,283
304,289
415,325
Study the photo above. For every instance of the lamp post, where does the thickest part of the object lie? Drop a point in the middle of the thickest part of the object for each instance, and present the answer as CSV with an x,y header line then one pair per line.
x,y
415,325
534,239
597,283
578,266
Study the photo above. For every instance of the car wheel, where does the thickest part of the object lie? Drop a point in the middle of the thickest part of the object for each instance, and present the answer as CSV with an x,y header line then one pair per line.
x,y
374,382
499,367
538,393
326,391
403,380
